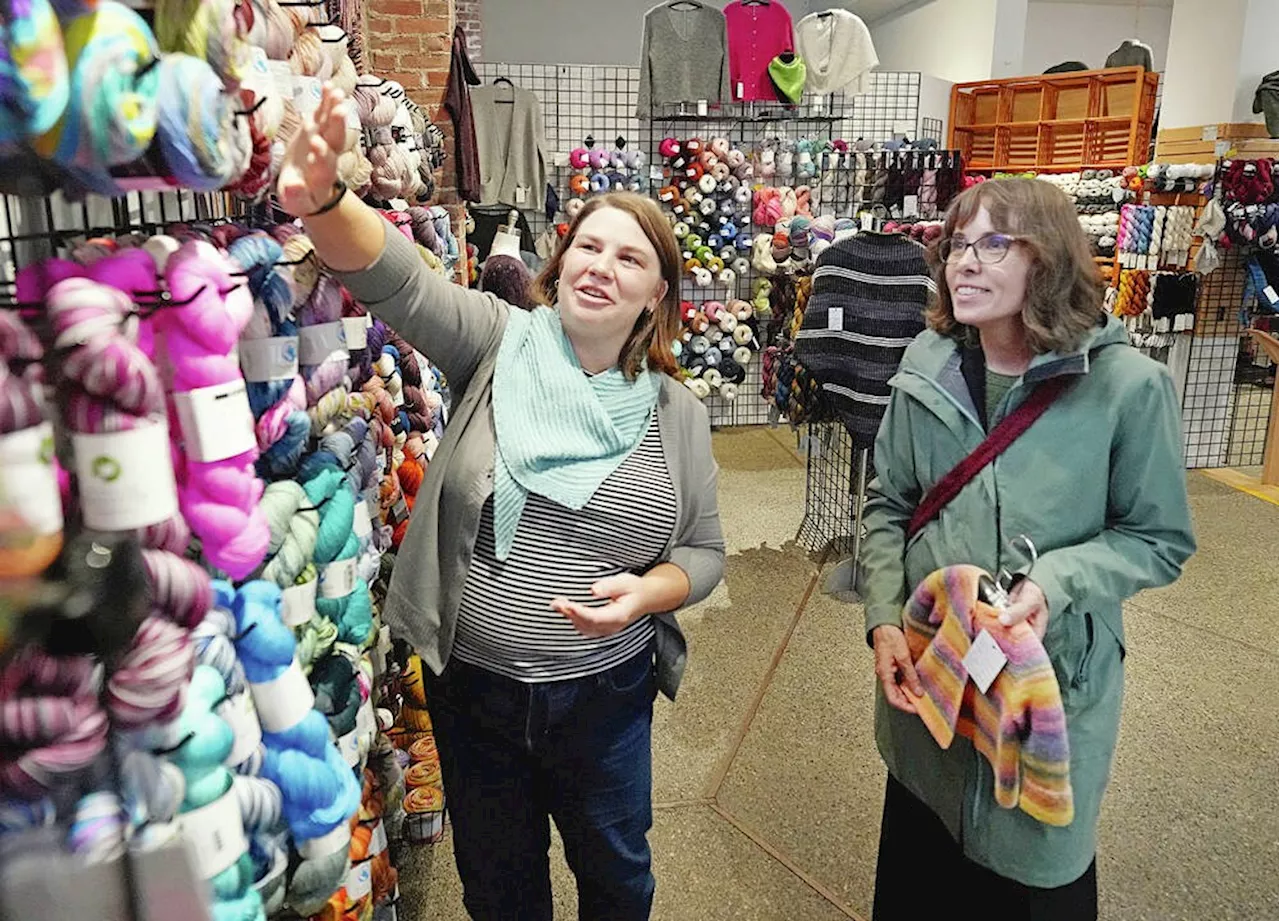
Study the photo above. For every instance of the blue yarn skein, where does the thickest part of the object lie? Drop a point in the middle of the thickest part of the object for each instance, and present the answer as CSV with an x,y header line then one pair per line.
x,y
202,144
320,791
208,741
33,71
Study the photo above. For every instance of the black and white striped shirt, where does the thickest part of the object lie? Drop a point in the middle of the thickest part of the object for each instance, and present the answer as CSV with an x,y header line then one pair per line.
x,y
505,623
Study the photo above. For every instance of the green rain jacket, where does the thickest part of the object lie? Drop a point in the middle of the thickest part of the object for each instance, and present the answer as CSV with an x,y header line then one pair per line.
x,y
1098,485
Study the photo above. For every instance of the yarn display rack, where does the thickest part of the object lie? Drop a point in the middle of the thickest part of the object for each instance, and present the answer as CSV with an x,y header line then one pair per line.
x,y
187,392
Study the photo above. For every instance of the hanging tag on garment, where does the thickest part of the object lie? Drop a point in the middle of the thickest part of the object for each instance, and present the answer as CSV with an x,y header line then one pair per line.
x,y
984,660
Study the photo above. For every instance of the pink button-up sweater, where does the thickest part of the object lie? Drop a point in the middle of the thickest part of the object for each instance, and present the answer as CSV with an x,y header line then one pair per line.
x,y
758,32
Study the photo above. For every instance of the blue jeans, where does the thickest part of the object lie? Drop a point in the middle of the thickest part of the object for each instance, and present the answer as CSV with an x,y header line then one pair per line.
x,y
512,754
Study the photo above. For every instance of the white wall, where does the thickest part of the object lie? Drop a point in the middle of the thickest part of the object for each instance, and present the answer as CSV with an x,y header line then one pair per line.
x,y
951,39
1259,55
543,32
1088,32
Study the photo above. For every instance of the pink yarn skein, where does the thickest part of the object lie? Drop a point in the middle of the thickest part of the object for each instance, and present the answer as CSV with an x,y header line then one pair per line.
x,y
219,499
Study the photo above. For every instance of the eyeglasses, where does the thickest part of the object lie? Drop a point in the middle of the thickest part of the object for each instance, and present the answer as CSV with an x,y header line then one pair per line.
x,y
989,248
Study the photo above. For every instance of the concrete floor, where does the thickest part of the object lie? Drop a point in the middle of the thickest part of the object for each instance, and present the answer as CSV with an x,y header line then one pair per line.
x,y
768,787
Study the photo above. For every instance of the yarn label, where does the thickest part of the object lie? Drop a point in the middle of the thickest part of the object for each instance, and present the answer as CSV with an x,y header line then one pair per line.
x,y
384,639
359,882
399,511
349,748
307,92
284,701
318,848
378,839
910,205
28,478
214,835
362,525
338,580
238,712
298,603
984,660
322,341
272,359
397,398
126,478
366,722
216,421
357,332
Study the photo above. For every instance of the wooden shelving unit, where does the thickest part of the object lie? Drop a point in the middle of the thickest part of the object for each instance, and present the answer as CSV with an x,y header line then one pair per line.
x,y
1093,119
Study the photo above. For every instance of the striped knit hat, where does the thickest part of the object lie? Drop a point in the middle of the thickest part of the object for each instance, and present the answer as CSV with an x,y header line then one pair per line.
x,y
1018,725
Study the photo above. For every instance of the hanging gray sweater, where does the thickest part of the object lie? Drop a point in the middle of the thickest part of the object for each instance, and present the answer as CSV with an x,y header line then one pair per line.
x,y
684,57
512,146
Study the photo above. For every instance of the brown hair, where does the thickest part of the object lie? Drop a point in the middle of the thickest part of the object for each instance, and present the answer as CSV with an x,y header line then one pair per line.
x,y
1064,289
655,331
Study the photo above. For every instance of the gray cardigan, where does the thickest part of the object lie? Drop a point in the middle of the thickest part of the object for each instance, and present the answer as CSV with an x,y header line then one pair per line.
x,y
684,57
459,330
512,145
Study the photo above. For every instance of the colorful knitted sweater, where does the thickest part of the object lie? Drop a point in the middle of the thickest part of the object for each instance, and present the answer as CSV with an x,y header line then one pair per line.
x,y
1019,725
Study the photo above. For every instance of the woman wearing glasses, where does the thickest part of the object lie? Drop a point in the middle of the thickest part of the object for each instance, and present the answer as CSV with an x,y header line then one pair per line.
x,y
1097,484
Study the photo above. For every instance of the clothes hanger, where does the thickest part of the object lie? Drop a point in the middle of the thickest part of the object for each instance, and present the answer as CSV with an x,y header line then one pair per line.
x,y
507,81
684,5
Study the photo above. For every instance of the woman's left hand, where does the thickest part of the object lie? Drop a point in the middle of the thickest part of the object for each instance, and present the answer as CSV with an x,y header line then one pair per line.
x,y
629,600
1029,604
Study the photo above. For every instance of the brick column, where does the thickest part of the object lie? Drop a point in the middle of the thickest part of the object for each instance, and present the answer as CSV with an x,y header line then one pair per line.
x,y
409,41
469,16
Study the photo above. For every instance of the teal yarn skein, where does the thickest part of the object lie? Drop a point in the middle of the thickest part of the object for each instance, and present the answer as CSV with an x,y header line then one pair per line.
x,y
330,490
110,117
207,742
294,523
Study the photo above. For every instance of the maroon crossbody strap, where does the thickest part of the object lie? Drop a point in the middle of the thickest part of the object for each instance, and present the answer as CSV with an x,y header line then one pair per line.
x,y
1006,433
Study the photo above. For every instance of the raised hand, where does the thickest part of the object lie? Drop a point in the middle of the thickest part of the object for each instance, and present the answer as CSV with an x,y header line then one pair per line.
x,y
310,166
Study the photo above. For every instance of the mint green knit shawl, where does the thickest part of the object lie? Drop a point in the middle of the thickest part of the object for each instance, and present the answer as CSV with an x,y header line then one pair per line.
x,y
560,433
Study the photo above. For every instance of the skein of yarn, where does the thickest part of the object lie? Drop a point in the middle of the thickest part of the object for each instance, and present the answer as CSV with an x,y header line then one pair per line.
x,y
219,490
204,144
110,117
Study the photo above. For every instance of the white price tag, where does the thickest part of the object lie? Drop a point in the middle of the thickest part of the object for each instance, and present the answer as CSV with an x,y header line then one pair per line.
x,y
366,723
835,318
239,713
126,478
1271,296
338,579
910,205
655,174
216,421
1220,148
271,359
307,92
399,511
378,839
298,603
522,194
317,343
1209,133
214,835
359,882
384,639
356,331
317,848
362,526
702,105
349,748
284,701
867,220
258,62
397,398
28,482
984,660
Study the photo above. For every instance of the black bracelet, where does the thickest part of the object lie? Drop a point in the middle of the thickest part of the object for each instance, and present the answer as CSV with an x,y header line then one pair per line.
x,y
339,190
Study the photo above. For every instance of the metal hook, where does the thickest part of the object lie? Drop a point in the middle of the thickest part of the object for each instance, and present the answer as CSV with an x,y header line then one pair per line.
x,y
256,106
